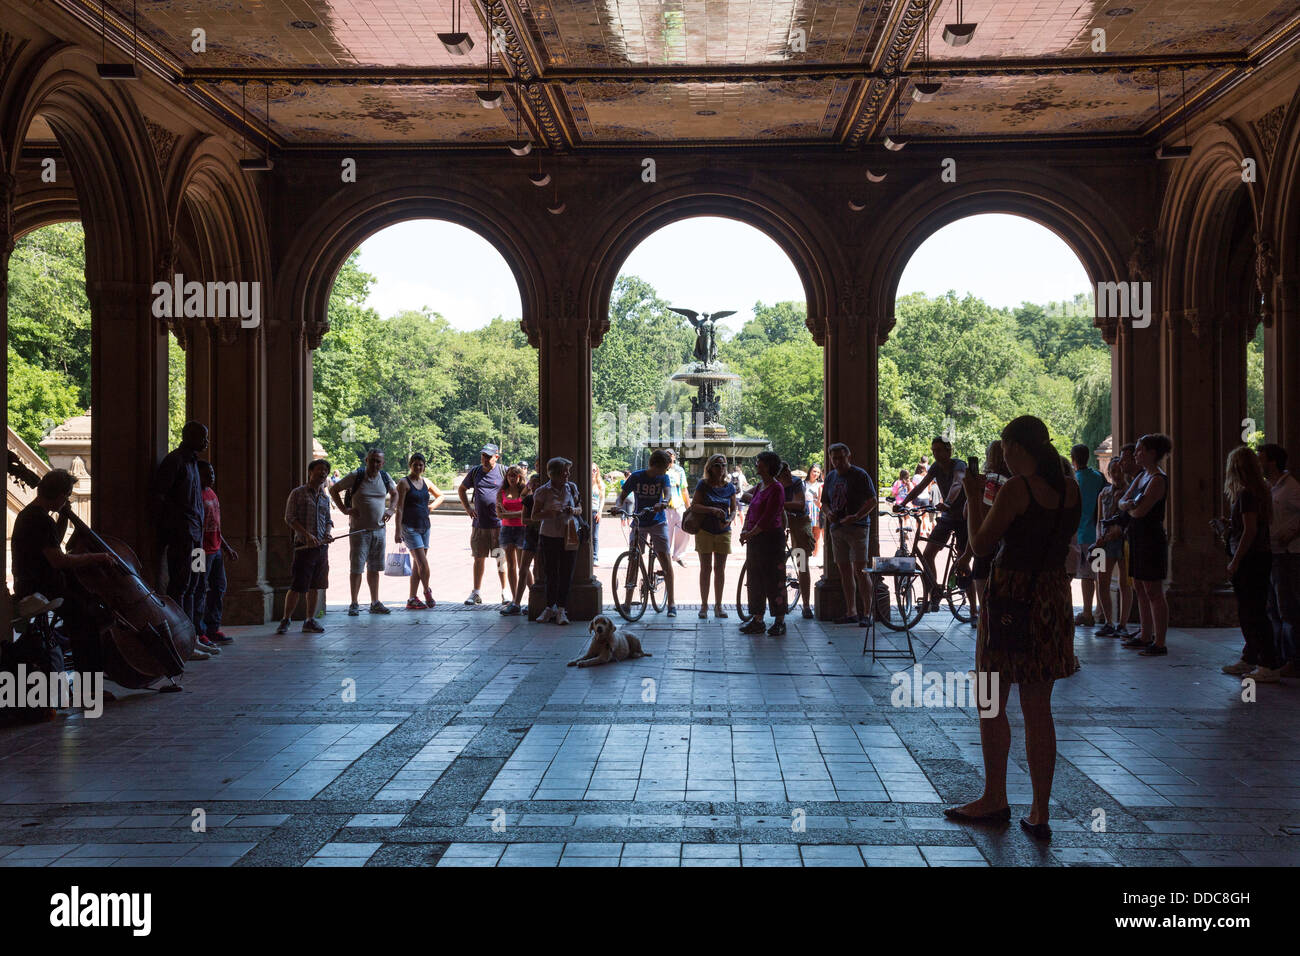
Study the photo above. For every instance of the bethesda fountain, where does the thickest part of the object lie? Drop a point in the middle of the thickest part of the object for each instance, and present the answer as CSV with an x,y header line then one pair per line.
x,y
705,435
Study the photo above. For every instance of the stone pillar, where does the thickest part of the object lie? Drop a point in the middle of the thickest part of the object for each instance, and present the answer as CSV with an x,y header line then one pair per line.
x,y
7,186
129,412
231,387
1201,400
288,391
1282,369
564,382
851,416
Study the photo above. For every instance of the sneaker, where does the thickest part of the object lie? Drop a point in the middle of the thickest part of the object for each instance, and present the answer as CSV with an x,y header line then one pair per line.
x,y
1137,641
546,616
216,637
1084,620
1106,630
211,649
415,604
672,611
807,614
1155,650
473,598
561,617
777,629
756,626
311,627
1239,668
847,619
378,608
284,627
429,602
353,610
1265,675
198,654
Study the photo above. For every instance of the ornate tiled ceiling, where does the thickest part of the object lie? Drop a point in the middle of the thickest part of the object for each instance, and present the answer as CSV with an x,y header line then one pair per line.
x,y
595,73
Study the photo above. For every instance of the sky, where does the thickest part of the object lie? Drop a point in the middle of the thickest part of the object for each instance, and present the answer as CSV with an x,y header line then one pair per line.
x,y
710,264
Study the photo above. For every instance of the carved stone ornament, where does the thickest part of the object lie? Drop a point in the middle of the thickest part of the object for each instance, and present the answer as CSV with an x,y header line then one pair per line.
x,y
1265,270
1143,258
164,143
1268,126
1193,317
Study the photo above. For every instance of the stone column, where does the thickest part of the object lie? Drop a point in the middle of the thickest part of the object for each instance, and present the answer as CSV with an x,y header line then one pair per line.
x,y
851,416
564,383
1195,389
129,412
1282,369
288,390
7,187
231,386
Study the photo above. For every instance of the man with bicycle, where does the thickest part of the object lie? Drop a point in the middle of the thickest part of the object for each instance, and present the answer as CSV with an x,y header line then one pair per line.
x,y
650,489
946,474
849,498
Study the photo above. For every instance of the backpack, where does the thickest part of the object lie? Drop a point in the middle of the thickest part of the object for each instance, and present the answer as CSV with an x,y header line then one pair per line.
x,y
359,475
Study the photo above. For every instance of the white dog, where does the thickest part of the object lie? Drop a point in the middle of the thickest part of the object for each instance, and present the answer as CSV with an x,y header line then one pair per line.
x,y
608,644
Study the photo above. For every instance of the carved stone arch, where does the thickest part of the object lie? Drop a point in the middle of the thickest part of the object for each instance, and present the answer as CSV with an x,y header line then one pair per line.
x,y
1081,217
104,140
326,240
1196,218
1280,219
779,213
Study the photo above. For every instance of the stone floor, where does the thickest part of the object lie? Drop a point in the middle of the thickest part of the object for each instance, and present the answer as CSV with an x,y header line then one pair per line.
x,y
469,743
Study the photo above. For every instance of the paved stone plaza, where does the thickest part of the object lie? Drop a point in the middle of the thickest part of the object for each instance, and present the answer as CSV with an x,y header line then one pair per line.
x,y
470,743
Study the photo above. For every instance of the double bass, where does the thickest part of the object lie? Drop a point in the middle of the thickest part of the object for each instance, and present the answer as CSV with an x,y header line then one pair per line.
x,y
147,637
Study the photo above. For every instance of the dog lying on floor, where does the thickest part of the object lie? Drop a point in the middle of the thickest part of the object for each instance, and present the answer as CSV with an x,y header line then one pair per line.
x,y
607,644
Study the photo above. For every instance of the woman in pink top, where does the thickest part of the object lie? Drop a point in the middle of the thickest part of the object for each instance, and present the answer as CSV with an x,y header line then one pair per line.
x,y
764,538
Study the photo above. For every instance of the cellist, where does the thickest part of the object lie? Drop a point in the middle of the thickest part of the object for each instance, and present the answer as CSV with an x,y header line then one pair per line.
x,y
39,563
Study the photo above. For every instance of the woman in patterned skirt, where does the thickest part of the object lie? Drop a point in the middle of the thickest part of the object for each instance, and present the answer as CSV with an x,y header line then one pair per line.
x,y
1030,524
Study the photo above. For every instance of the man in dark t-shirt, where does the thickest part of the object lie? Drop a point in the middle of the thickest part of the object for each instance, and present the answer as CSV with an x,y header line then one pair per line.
x,y
39,564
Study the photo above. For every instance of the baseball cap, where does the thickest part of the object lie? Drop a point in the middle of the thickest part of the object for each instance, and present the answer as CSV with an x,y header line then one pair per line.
x,y
490,449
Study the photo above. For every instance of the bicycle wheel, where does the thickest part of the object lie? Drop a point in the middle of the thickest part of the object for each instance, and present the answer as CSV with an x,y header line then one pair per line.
x,y
658,588
908,591
792,593
626,586
742,600
958,602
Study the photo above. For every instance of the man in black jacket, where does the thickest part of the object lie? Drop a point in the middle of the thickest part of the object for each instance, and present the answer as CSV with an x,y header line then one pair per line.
x,y
177,498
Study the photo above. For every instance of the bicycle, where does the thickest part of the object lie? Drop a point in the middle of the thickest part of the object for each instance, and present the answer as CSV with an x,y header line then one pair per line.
x,y
954,585
909,589
635,567
793,594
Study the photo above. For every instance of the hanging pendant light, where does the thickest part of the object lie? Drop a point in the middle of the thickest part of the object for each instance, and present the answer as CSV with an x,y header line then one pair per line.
x,y
489,98
256,165
876,177
556,207
1173,152
115,71
959,33
539,178
925,90
519,146
896,142
457,42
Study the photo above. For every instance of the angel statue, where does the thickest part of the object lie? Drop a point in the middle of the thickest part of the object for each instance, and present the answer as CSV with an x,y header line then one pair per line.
x,y
706,345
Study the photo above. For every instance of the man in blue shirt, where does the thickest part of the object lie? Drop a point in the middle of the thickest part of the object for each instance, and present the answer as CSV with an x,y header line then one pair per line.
x,y
650,488
1090,484
485,480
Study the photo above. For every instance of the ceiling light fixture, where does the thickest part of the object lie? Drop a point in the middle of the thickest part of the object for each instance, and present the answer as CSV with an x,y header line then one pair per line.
x,y
556,207
457,42
1172,152
925,90
256,165
959,33
896,142
489,98
539,178
876,177
856,206
519,146
115,71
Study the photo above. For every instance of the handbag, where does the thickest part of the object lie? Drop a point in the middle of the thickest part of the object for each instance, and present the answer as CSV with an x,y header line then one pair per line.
x,y
691,521
1011,618
398,563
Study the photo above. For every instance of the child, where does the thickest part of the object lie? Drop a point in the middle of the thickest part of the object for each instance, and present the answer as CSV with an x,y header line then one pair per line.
x,y
208,602
524,580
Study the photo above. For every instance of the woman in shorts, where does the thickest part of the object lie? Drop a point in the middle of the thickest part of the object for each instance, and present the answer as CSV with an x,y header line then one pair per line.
x,y
715,502
510,507
416,500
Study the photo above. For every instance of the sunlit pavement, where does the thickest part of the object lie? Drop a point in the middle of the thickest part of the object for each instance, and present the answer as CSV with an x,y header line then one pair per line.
x,y
467,741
